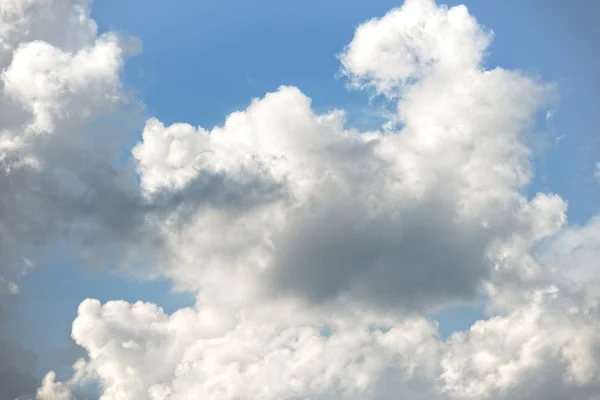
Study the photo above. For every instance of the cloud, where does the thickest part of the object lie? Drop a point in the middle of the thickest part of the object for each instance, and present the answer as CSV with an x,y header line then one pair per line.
x,y
316,251
412,41
546,349
195,354
56,86
407,219
60,99
571,255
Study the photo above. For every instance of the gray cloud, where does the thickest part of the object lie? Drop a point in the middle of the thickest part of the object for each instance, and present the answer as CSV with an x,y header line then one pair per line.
x,y
415,260
16,364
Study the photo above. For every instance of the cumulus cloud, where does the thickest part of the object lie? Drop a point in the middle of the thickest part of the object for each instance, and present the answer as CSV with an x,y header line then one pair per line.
x,y
58,80
59,85
546,349
195,353
316,251
411,42
416,218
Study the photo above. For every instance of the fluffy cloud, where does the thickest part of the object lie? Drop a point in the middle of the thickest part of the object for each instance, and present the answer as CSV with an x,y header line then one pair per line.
x,y
316,251
58,80
413,41
547,349
414,218
197,354
58,183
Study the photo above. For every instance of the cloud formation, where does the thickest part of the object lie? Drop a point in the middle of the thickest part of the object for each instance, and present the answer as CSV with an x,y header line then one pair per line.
x,y
316,251
415,218
60,97
59,81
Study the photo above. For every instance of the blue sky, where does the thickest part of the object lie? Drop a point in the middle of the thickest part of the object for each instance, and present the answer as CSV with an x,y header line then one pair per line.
x,y
203,60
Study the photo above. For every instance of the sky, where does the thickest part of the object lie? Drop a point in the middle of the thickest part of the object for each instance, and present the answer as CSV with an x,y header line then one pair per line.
x,y
273,200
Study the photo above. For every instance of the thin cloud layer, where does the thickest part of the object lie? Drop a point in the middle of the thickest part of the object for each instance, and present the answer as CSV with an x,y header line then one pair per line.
x,y
316,251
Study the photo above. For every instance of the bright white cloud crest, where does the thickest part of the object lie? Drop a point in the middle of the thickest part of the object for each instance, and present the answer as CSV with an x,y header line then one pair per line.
x,y
316,251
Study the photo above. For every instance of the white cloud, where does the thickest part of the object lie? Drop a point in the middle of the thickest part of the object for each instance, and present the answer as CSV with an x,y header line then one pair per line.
x,y
544,350
351,234
52,390
571,256
195,354
416,219
65,24
420,38
54,86
314,250
57,182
